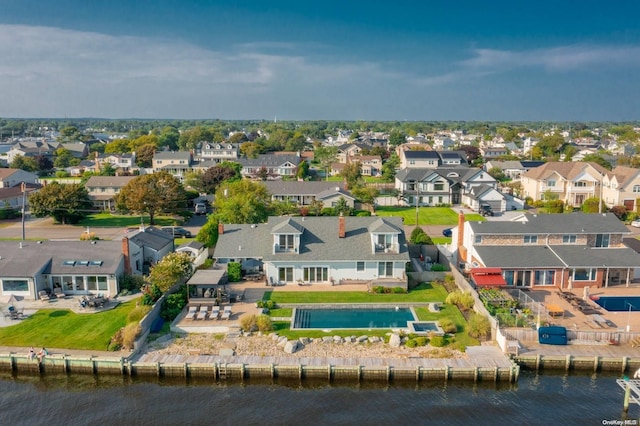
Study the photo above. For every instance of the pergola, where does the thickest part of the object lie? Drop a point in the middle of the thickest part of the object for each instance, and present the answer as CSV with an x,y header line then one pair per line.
x,y
205,284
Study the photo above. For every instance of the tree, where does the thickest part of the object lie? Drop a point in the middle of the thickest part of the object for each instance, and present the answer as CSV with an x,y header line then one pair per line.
x,y
43,163
214,176
303,170
242,201
325,156
389,168
472,152
119,146
238,137
396,138
418,236
366,195
171,269
351,174
107,169
341,206
251,149
24,163
590,205
497,173
169,137
595,158
67,204
135,144
144,155
64,158
152,194
208,234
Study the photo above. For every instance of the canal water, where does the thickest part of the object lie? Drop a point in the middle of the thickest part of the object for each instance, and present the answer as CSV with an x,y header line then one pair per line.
x,y
537,399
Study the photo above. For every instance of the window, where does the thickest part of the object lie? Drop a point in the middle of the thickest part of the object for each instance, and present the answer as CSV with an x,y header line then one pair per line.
x,y
580,184
285,274
583,274
568,239
544,277
92,283
602,240
102,283
15,285
315,274
385,269
440,199
384,241
531,239
430,199
80,284
286,242
412,162
359,266
508,277
438,186
478,239
551,183
636,188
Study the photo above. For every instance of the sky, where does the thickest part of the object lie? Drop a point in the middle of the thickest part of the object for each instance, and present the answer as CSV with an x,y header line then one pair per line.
x,y
321,60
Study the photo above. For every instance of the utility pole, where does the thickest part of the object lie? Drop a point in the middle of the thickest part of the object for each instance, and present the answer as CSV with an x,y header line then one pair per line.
x,y
600,198
23,187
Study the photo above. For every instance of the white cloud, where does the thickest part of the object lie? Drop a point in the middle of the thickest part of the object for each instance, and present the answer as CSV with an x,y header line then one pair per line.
x,y
555,60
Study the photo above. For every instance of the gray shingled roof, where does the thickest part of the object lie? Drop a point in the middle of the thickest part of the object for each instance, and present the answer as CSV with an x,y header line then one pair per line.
x,y
291,187
49,257
109,181
557,224
319,241
518,257
151,237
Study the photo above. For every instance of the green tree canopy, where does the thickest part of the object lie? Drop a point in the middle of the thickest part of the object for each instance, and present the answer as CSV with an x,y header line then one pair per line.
x,y
351,174
24,163
67,204
208,234
170,270
242,201
144,155
152,194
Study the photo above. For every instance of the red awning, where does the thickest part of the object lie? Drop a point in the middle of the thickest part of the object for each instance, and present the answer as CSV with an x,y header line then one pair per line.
x,y
488,277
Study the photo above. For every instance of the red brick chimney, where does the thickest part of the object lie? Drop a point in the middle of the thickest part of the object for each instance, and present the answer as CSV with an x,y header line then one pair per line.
x,y
220,228
342,231
127,257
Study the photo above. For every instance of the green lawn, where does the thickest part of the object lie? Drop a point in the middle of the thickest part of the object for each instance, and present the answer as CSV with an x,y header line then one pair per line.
x,y
281,312
108,220
55,328
427,215
462,338
425,292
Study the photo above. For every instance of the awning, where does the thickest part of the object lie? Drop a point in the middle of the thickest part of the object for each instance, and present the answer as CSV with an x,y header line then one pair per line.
x,y
488,277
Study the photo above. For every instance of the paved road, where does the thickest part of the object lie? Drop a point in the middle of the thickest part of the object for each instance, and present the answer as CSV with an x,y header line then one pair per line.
x,y
44,228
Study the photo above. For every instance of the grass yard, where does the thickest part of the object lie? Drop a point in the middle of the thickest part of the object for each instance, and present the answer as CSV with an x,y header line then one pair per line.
x,y
462,338
55,328
281,312
108,220
425,292
427,215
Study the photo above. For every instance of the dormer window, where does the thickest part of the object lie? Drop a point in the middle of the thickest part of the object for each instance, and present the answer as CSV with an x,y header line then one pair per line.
x,y
286,242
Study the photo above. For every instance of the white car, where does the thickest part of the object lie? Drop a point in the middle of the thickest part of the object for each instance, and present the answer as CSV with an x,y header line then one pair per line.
x,y
636,223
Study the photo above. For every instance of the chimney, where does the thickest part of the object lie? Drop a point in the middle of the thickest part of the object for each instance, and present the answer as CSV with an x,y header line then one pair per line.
x,y
127,258
220,228
341,226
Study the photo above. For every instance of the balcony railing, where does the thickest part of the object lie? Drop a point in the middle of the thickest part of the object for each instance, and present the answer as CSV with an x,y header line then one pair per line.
x,y
386,248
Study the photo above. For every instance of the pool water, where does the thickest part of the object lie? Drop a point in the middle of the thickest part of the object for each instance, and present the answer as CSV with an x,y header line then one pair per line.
x,y
352,318
618,303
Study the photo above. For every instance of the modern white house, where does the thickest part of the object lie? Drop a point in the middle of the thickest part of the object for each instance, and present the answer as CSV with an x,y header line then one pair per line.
x,y
319,250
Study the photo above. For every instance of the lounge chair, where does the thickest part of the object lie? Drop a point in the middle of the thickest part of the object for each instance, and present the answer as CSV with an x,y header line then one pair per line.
x,y
59,293
215,311
202,313
226,314
191,313
44,296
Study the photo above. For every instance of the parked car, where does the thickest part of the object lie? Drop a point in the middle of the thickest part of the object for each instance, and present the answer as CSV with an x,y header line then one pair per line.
x,y
177,231
636,223
486,210
200,209
447,232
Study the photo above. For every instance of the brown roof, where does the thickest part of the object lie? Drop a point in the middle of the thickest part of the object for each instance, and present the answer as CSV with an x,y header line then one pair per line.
x,y
5,173
111,181
624,174
566,169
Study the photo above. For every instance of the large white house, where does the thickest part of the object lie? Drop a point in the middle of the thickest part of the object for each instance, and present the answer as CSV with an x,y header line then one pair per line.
x,y
319,250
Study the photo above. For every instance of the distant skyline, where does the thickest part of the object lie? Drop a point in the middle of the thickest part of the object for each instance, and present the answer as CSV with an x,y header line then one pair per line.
x,y
328,60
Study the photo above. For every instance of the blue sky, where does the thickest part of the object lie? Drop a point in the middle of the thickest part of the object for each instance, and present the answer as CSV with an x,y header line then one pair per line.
x,y
343,60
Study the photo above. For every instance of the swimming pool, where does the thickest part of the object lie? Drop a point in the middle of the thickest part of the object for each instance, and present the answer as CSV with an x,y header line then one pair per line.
x,y
425,328
618,303
352,318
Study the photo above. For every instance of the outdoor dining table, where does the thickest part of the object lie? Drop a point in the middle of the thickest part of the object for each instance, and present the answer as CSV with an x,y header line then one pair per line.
x,y
96,302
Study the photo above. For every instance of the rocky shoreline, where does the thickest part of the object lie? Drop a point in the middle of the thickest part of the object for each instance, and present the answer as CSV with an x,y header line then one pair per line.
x,y
274,345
